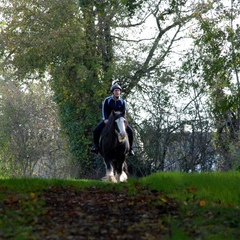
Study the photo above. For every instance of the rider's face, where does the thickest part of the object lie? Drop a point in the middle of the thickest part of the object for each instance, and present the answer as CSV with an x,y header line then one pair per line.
x,y
116,93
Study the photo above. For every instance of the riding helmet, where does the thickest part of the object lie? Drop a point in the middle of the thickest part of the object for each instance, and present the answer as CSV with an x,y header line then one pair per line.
x,y
115,86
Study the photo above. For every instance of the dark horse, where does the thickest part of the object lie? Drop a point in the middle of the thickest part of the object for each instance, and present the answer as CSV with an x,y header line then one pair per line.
x,y
114,146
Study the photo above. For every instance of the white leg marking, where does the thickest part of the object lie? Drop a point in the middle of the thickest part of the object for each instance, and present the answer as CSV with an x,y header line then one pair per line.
x,y
118,177
123,177
110,176
112,179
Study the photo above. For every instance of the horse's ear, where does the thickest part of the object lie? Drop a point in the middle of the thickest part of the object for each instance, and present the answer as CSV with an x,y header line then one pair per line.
x,y
113,112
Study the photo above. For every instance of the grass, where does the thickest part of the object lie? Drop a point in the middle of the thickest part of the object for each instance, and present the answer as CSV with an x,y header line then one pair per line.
x,y
38,184
209,202
222,187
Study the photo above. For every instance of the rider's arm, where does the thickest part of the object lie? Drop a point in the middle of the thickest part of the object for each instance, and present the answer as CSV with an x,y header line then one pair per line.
x,y
105,111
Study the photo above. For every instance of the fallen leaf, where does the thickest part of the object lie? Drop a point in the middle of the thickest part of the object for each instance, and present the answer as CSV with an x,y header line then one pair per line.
x,y
202,203
163,200
191,189
32,195
11,199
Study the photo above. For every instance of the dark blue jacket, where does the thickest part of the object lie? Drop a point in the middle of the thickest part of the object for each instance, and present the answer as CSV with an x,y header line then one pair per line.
x,y
110,104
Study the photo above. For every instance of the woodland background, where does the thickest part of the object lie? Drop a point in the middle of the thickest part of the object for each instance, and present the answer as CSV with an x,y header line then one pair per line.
x,y
178,64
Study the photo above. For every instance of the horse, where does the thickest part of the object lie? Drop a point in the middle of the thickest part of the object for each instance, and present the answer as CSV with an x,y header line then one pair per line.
x,y
114,147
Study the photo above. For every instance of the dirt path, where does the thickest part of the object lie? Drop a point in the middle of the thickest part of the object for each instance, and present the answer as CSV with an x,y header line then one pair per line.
x,y
97,214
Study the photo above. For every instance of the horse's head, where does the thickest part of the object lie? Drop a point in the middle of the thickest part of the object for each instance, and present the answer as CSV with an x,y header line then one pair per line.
x,y
120,125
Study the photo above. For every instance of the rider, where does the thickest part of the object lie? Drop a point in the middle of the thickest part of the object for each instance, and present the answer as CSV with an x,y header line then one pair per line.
x,y
116,103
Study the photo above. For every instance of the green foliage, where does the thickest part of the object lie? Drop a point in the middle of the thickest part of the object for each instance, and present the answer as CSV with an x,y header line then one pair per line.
x,y
213,62
47,31
75,43
56,37
133,5
30,137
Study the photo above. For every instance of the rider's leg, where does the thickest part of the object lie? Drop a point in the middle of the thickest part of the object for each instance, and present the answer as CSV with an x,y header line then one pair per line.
x,y
130,136
96,136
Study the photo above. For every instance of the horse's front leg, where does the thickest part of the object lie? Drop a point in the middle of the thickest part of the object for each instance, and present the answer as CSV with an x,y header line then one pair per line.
x,y
121,176
109,170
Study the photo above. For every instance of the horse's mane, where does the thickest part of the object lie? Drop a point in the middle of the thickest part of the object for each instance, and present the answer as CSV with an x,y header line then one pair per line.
x,y
109,125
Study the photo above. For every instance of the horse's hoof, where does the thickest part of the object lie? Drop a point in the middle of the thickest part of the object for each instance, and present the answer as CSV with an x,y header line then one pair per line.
x,y
112,179
105,178
123,177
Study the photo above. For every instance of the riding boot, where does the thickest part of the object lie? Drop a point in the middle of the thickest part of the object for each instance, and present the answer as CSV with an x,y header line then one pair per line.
x,y
95,147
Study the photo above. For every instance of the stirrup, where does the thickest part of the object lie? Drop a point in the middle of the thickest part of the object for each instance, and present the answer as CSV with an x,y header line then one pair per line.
x,y
131,153
95,149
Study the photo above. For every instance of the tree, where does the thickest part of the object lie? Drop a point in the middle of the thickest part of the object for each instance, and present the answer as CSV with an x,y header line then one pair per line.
x,y
63,38
30,137
214,62
78,43
176,131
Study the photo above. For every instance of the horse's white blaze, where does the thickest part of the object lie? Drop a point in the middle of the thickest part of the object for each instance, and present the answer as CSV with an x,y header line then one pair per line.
x,y
121,126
